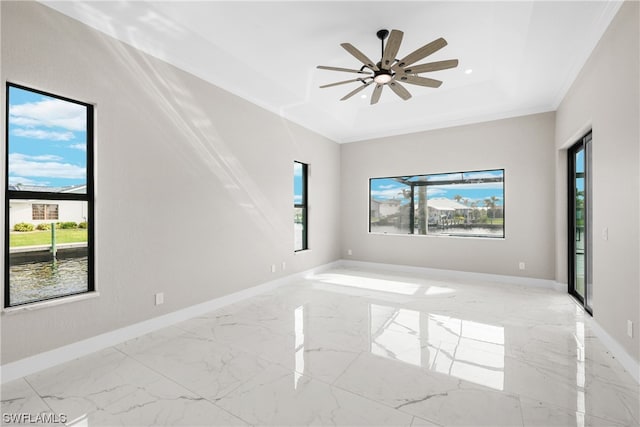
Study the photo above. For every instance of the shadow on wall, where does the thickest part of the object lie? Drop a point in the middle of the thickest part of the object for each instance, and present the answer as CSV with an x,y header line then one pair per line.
x,y
200,137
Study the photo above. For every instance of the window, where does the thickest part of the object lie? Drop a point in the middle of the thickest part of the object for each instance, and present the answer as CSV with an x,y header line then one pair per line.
x,y
44,212
48,197
300,217
449,204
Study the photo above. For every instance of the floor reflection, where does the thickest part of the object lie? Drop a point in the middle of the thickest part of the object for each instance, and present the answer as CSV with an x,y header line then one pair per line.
x,y
299,345
580,374
397,287
460,348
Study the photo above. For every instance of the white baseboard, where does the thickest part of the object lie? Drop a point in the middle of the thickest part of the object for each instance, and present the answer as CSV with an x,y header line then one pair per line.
x,y
48,359
455,274
628,363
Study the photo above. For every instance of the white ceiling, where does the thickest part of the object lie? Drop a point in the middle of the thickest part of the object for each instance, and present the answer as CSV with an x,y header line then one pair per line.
x,y
524,54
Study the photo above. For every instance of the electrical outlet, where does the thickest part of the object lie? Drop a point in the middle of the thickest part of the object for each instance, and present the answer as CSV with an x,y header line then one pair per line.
x,y
284,265
521,265
273,268
349,252
630,328
605,233
160,298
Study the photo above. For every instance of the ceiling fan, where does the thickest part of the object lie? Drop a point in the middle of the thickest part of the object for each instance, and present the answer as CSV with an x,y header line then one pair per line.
x,y
391,71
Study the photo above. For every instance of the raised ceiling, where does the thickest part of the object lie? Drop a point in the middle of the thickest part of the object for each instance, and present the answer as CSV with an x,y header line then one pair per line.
x,y
524,55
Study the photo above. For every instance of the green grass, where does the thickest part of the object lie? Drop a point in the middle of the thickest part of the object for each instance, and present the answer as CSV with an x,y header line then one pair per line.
x,y
496,221
32,238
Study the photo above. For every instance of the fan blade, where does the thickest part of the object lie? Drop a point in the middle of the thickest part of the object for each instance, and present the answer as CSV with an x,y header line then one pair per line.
x,y
391,49
421,53
431,66
399,90
340,83
359,56
375,96
420,81
347,70
353,92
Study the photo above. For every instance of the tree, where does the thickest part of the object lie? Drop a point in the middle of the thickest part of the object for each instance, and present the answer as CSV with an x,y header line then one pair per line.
x,y
457,198
490,203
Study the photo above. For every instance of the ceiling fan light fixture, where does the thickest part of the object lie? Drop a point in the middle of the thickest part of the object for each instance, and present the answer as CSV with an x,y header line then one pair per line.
x,y
382,78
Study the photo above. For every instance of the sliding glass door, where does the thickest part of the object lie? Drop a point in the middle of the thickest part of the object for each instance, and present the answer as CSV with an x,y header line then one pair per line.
x,y
580,285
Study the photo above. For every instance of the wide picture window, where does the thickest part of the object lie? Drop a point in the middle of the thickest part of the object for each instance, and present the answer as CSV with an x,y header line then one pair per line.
x,y
48,198
465,204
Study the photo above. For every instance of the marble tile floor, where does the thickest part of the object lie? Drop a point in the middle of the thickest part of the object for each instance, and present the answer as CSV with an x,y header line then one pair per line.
x,y
352,347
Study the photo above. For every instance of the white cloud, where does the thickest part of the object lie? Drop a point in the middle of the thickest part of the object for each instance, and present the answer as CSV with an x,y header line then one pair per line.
x,y
41,158
43,134
49,113
81,147
389,193
43,166
435,191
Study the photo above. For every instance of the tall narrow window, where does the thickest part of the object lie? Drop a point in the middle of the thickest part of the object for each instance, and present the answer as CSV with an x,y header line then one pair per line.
x,y
300,217
48,197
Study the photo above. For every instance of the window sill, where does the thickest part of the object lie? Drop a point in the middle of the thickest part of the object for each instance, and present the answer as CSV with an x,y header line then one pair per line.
x,y
49,303
438,236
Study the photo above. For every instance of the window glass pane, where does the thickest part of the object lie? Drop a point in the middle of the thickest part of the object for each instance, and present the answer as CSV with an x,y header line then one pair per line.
x,y
47,145
42,212
298,183
38,268
299,228
390,206
38,211
51,211
451,204
472,206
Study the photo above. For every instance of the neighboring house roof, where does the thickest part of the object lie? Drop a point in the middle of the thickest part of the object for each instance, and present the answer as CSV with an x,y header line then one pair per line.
x,y
82,188
443,204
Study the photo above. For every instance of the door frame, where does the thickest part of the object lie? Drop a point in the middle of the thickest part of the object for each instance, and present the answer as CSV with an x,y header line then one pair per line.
x,y
583,143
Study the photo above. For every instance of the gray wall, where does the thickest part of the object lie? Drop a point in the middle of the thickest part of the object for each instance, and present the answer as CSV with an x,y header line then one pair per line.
x,y
194,185
522,146
606,98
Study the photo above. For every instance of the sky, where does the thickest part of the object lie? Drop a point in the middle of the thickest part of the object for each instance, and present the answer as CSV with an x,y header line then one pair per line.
x,y
580,169
297,182
47,140
388,188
